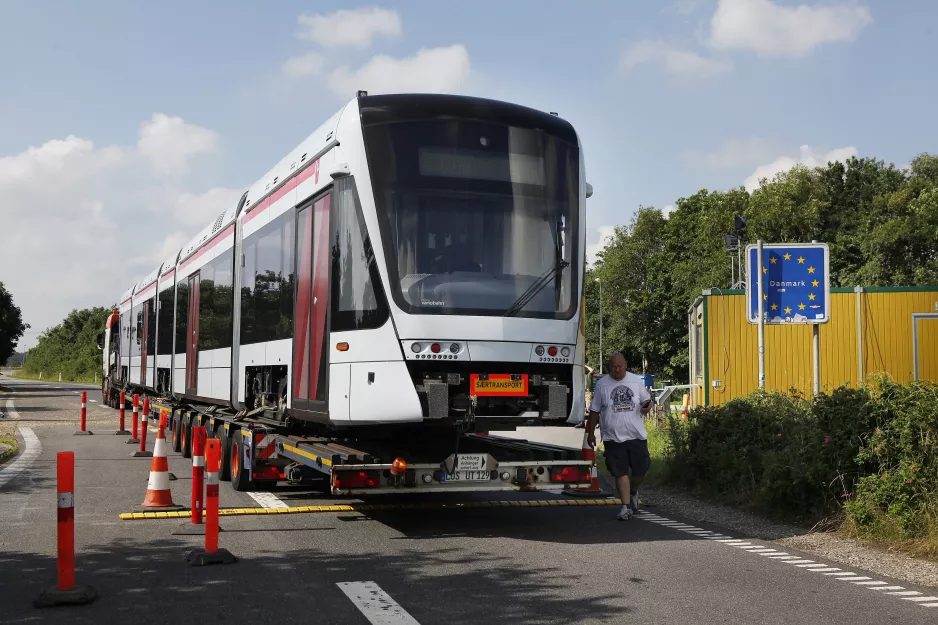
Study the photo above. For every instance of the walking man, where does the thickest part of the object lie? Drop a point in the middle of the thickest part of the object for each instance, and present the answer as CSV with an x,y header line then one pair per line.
x,y
620,401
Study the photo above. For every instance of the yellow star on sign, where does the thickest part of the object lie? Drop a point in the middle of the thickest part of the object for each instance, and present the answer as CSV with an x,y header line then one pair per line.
x,y
774,306
800,306
765,297
814,283
811,296
787,310
773,260
810,269
801,260
764,270
787,257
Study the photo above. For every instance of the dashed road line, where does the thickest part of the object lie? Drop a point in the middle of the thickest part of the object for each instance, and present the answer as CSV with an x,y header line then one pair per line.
x,y
837,573
267,500
377,606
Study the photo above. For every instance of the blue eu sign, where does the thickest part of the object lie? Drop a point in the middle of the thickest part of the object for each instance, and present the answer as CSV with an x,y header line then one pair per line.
x,y
795,283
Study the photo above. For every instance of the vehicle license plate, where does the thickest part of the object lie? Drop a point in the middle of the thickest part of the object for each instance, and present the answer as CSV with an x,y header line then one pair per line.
x,y
498,384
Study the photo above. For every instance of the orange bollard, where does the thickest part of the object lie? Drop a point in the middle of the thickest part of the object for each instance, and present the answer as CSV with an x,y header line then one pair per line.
x,y
133,440
195,526
66,593
84,404
121,431
144,425
212,554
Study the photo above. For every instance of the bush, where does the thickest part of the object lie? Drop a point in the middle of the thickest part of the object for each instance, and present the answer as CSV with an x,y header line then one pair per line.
x,y
872,452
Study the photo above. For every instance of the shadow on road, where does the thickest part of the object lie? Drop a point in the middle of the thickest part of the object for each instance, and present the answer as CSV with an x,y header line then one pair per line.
x,y
154,584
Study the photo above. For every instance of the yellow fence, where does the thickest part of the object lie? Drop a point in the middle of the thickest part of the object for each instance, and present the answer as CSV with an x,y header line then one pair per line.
x,y
724,346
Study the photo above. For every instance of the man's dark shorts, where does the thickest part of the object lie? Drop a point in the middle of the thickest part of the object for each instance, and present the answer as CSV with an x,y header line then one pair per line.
x,y
633,454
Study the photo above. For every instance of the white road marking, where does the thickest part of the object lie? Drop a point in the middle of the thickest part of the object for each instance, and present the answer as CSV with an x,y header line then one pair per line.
x,y
267,500
809,565
32,451
377,606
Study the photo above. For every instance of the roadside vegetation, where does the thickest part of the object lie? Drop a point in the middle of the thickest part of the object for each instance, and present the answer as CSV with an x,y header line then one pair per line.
x,y
861,460
68,348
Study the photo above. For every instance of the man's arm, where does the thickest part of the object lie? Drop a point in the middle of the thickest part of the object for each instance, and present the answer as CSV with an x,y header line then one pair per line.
x,y
591,428
646,400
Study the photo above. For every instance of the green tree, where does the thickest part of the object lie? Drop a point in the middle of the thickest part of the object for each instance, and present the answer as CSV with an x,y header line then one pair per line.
x,y
11,324
70,348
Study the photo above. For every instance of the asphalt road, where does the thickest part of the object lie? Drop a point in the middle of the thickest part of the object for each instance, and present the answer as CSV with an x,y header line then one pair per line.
x,y
493,565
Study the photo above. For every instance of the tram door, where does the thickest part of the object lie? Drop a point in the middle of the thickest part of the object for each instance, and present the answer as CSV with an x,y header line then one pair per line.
x,y
312,300
144,335
192,344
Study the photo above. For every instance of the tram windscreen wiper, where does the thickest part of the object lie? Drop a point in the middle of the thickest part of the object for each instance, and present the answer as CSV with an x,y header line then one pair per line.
x,y
536,288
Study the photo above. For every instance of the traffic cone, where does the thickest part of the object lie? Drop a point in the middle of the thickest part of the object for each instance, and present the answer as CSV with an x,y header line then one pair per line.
x,y
594,489
158,494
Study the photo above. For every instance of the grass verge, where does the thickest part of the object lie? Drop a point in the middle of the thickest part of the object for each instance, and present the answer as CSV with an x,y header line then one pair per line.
x,y
8,446
53,377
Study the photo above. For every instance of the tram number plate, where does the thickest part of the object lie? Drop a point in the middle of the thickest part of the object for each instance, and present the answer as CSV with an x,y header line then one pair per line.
x,y
498,384
468,476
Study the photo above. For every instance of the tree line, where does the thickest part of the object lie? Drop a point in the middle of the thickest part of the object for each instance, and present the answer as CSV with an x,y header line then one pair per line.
x,y
880,222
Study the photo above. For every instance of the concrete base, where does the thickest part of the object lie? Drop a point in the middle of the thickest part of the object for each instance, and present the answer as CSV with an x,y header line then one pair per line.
x,y
121,433
172,508
85,433
132,441
191,529
142,454
79,595
200,558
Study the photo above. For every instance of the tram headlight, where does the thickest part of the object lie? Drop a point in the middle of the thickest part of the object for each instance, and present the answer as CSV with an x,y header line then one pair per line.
x,y
564,351
539,350
552,351
454,348
435,348
415,347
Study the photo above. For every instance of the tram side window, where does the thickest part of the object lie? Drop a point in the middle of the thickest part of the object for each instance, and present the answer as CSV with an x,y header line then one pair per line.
x,y
207,333
125,334
136,331
268,282
223,299
357,298
182,315
164,340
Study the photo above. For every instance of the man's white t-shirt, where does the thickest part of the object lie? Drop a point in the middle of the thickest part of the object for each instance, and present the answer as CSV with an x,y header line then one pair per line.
x,y
618,403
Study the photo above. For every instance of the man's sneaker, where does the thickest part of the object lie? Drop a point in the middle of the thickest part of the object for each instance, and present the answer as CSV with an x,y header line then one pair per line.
x,y
634,503
624,514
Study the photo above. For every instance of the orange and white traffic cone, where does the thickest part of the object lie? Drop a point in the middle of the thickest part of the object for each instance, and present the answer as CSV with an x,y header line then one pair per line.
x,y
158,494
594,489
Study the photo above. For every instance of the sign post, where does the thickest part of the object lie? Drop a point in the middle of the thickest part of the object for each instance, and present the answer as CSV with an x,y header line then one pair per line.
x,y
788,284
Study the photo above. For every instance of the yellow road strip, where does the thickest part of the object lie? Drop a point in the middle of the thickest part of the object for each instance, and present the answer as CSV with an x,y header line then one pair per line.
x,y
182,514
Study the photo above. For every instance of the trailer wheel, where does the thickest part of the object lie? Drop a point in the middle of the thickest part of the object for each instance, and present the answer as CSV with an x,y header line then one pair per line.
x,y
224,469
186,431
177,436
239,473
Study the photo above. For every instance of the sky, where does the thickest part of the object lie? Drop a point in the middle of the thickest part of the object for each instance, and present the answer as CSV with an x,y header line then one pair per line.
x,y
125,128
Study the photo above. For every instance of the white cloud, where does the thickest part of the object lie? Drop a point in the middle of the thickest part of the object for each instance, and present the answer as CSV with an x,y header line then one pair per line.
x,y
807,155
92,220
350,27
433,70
673,60
773,30
734,153
170,143
592,249
684,7
668,209
306,65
